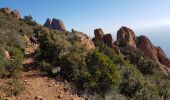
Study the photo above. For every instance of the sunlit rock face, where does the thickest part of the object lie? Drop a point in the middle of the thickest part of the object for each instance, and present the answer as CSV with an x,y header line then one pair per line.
x,y
127,35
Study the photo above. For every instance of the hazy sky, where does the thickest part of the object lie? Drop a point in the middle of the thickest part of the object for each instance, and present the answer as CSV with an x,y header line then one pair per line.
x,y
150,17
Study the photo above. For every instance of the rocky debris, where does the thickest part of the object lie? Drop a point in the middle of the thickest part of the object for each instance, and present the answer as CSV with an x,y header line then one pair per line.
x,y
127,35
60,96
16,14
55,24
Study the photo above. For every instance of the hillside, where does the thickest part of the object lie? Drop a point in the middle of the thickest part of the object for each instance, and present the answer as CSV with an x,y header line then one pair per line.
x,y
59,64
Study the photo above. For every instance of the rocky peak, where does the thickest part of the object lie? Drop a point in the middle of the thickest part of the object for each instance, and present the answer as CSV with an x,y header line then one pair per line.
x,y
98,34
105,38
48,23
108,40
55,24
127,35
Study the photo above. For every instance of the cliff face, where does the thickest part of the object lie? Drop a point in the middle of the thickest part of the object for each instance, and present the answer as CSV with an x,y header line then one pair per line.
x,y
55,24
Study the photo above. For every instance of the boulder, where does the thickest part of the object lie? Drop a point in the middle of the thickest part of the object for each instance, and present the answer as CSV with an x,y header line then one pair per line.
x,y
7,55
127,35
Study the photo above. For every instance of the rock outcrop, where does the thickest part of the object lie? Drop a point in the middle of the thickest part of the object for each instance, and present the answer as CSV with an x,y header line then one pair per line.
x,y
83,38
55,24
127,35
148,49
98,34
142,43
105,38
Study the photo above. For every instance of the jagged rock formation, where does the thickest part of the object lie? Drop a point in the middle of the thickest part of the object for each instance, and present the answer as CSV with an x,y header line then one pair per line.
x,y
98,34
55,24
142,43
146,46
105,38
126,35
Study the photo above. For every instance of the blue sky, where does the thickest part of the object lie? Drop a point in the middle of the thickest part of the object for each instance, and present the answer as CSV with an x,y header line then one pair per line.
x,y
149,17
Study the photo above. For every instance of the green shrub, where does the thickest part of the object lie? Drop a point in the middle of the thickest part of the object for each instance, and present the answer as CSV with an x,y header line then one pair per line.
x,y
102,74
131,82
148,67
45,67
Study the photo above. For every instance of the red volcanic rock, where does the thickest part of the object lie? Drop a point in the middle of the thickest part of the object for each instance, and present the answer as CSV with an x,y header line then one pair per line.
x,y
55,24
98,34
162,58
108,40
126,35
16,14
148,49
105,38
